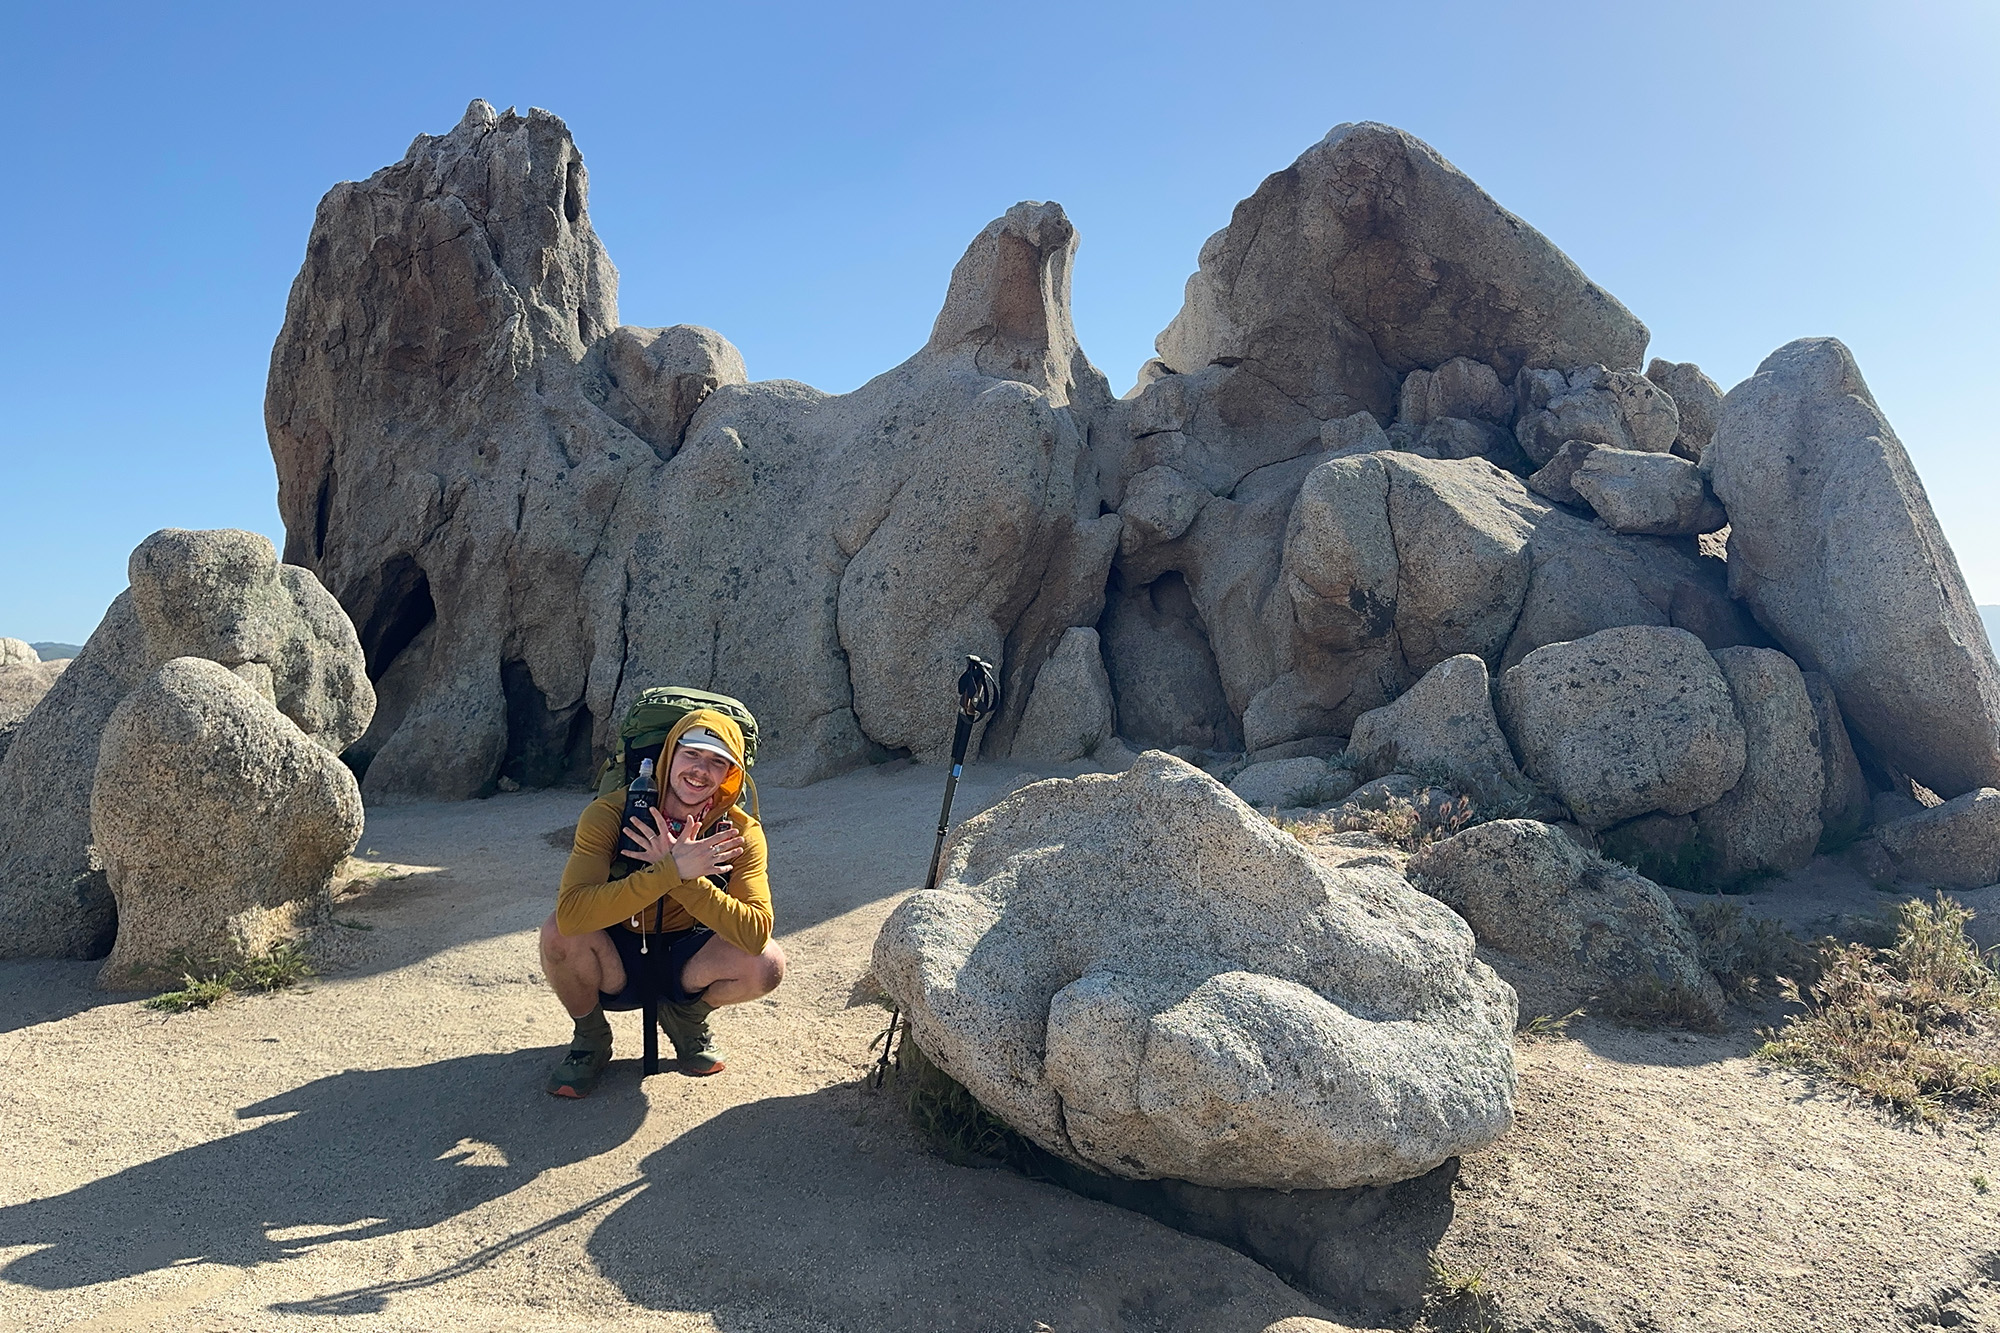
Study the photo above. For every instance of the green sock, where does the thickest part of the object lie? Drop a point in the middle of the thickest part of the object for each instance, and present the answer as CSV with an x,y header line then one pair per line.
x,y
593,1029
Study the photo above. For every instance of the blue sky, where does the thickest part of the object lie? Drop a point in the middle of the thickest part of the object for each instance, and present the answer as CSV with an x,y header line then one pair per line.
x,y
802,177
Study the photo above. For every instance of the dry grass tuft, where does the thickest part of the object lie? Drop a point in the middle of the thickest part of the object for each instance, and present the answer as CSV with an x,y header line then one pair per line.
x,y
1915,1026
1411,825
1749,956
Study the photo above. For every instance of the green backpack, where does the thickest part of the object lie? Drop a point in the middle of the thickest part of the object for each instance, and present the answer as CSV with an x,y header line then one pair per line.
x,y
653,715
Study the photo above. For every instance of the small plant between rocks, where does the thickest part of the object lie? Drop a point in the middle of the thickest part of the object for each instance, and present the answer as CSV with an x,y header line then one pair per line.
x,y
1916,1026
202,985
1750,957
1411,824
950,1119
1458,1299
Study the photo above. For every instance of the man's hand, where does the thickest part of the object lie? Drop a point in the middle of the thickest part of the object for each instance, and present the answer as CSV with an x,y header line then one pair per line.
x,y
693,856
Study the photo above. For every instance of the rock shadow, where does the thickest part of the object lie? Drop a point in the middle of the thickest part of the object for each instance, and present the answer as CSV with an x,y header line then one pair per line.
x,y
43,990
355,1155
791,1205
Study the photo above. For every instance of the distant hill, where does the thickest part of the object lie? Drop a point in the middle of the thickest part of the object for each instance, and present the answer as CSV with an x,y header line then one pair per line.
x,y
54,652
1991,615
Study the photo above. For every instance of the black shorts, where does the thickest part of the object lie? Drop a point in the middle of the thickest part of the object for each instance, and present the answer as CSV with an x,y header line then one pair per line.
x,y
661,965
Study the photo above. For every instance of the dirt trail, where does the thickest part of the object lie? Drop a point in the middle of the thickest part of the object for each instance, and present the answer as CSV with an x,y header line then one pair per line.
x,y
375,1151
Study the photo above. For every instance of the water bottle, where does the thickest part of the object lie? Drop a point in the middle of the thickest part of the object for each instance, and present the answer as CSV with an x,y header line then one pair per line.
x,y
640,800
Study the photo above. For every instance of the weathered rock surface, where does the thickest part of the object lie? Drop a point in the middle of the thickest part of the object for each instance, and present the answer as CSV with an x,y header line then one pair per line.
x,y
1624,722
1619,408
1386,564
452,402
1163,674
1553,479
1527,889
1372,254
1834,545
1461,389
1283,783
1955,845
24,679
1697,403
1070,713
1770,820
1660,495
1844,798
219,821
1445,722
1144,977
218,595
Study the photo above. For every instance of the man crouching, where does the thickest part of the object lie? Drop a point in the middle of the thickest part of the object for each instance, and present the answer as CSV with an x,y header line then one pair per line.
x,y
688,912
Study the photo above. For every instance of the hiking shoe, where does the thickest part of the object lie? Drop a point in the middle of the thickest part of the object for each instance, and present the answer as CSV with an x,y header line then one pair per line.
x,y
579,1071
686,1025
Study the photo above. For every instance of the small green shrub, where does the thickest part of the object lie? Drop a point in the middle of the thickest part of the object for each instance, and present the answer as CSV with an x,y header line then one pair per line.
x,y
1458,1298
276,968
1915,1025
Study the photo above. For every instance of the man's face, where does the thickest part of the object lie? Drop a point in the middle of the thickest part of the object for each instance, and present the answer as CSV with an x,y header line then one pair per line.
x,y
695,775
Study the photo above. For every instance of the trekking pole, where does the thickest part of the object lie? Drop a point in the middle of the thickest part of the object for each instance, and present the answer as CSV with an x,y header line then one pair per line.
x,y
649,1011
978,695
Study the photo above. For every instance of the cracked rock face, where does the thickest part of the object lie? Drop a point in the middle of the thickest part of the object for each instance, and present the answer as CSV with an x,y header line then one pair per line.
x,y
1143,976
532,512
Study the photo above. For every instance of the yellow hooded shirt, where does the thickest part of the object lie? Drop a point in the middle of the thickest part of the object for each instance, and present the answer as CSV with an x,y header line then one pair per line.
x,y
590,899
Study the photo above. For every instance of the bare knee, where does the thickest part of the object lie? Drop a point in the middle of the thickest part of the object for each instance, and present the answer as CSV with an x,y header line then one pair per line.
x,y
767,970
589,957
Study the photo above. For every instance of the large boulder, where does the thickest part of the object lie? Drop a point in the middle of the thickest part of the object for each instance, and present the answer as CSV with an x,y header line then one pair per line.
x,y
1697,403
1770,820
1444,724
1528,890
218,595
1661,495
1624,722
1069,715
1144,977
452,402
220,822
1955,845
1371,254
1834,546
1285,783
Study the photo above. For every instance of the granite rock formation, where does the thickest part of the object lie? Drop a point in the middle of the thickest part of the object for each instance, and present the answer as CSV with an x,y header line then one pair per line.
x,y
532,512
218,595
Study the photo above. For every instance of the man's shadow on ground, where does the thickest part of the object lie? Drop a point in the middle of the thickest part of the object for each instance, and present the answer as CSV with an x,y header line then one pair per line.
x,y
360,1154
823,1206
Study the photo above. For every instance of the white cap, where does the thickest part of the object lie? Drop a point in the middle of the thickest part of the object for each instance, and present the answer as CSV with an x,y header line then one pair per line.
x,y
701,738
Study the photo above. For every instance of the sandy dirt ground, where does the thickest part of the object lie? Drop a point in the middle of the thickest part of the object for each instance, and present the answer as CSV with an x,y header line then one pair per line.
x,y
374,1151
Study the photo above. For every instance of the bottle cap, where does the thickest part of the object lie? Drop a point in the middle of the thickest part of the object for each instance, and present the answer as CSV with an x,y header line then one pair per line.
x,y
645,768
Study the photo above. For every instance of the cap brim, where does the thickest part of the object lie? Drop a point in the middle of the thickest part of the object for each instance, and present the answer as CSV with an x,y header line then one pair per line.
x,y
711,749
